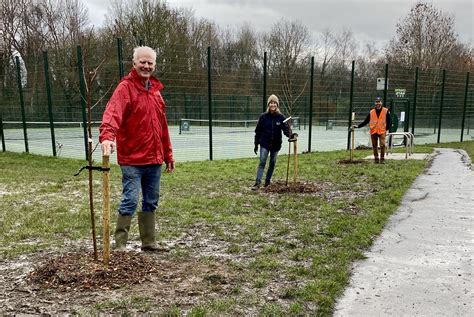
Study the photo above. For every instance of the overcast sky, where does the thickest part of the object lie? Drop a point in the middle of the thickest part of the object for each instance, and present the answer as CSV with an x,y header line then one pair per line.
x,y
372,21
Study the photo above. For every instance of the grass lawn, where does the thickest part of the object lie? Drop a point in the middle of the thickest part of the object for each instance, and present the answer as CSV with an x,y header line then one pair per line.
x,y
286,254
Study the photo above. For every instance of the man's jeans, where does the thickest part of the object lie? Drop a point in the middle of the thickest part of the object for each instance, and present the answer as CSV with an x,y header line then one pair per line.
x,y
147,178
263,161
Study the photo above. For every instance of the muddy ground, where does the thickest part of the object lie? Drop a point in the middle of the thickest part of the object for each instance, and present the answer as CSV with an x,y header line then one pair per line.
x,y
73,283
197,270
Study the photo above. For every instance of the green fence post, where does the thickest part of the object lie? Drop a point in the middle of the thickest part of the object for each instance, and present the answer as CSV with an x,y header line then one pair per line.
x,y
22,103
264,103
231,106
351,95
120,57
50,101
327,105
415,96
209,94
469,117
464,106
186,106
303,120
385,86
82,90
200,110
441,105
247,109
310,104
2,135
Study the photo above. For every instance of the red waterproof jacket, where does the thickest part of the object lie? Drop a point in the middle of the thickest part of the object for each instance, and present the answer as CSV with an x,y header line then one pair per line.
x,y
135,119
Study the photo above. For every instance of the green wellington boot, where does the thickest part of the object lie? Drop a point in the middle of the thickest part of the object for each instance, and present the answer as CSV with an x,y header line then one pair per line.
x,y
146,224
121,232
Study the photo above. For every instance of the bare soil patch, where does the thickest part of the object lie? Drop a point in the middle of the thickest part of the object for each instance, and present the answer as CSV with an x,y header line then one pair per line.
x,y
351,162
79,271
73,283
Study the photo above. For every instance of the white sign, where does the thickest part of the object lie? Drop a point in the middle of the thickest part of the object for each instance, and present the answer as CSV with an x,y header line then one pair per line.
x,y
381,83
402,116
353,116
400,93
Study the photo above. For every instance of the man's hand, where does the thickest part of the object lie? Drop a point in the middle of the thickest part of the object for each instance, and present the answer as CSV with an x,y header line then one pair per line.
x,y
170,167
255,149
108,147
354,126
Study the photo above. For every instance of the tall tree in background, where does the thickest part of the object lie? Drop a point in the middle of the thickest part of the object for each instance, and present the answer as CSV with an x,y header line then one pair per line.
x,y
31,26
240,60
201,34
335,70
426,37
64,27
368,66
288,47
179,40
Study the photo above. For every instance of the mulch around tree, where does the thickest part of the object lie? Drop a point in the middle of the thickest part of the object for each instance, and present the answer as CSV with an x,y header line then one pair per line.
x,y
79,271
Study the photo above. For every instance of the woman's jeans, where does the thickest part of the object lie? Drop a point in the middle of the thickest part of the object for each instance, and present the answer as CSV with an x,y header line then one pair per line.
x,y
263,161
135,178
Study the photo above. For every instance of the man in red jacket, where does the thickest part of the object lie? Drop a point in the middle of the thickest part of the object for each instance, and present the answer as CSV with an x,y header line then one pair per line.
x,y
134,123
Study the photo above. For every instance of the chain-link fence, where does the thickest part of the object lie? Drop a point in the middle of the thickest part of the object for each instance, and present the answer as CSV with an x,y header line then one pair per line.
x,y
44,102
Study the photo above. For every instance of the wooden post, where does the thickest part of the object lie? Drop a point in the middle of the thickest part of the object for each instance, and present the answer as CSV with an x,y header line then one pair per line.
x,y
288,165
295,149
106,209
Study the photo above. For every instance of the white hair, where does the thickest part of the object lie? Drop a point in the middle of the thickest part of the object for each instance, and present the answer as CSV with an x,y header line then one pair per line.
x,y
138,49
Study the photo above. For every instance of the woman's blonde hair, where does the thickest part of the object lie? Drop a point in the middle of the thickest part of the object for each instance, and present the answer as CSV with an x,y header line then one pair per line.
x,y
275,99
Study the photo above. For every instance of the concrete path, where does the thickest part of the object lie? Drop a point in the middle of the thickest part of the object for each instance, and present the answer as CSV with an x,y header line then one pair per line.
x,y
423,263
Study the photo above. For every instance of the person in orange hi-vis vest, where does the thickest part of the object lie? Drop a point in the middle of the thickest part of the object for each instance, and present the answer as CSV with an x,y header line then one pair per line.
x,y
379,122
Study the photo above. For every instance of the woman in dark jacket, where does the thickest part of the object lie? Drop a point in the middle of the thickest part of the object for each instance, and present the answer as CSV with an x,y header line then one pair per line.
x,y
268,135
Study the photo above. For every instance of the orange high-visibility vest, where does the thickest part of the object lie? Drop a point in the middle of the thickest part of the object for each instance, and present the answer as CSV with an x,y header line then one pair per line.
x,y
378,124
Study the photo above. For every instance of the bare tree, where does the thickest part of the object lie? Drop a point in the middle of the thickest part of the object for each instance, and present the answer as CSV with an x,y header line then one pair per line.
x,y
335,49
239,60
327,51
425,37
368,65
30,27
288,48
179,39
